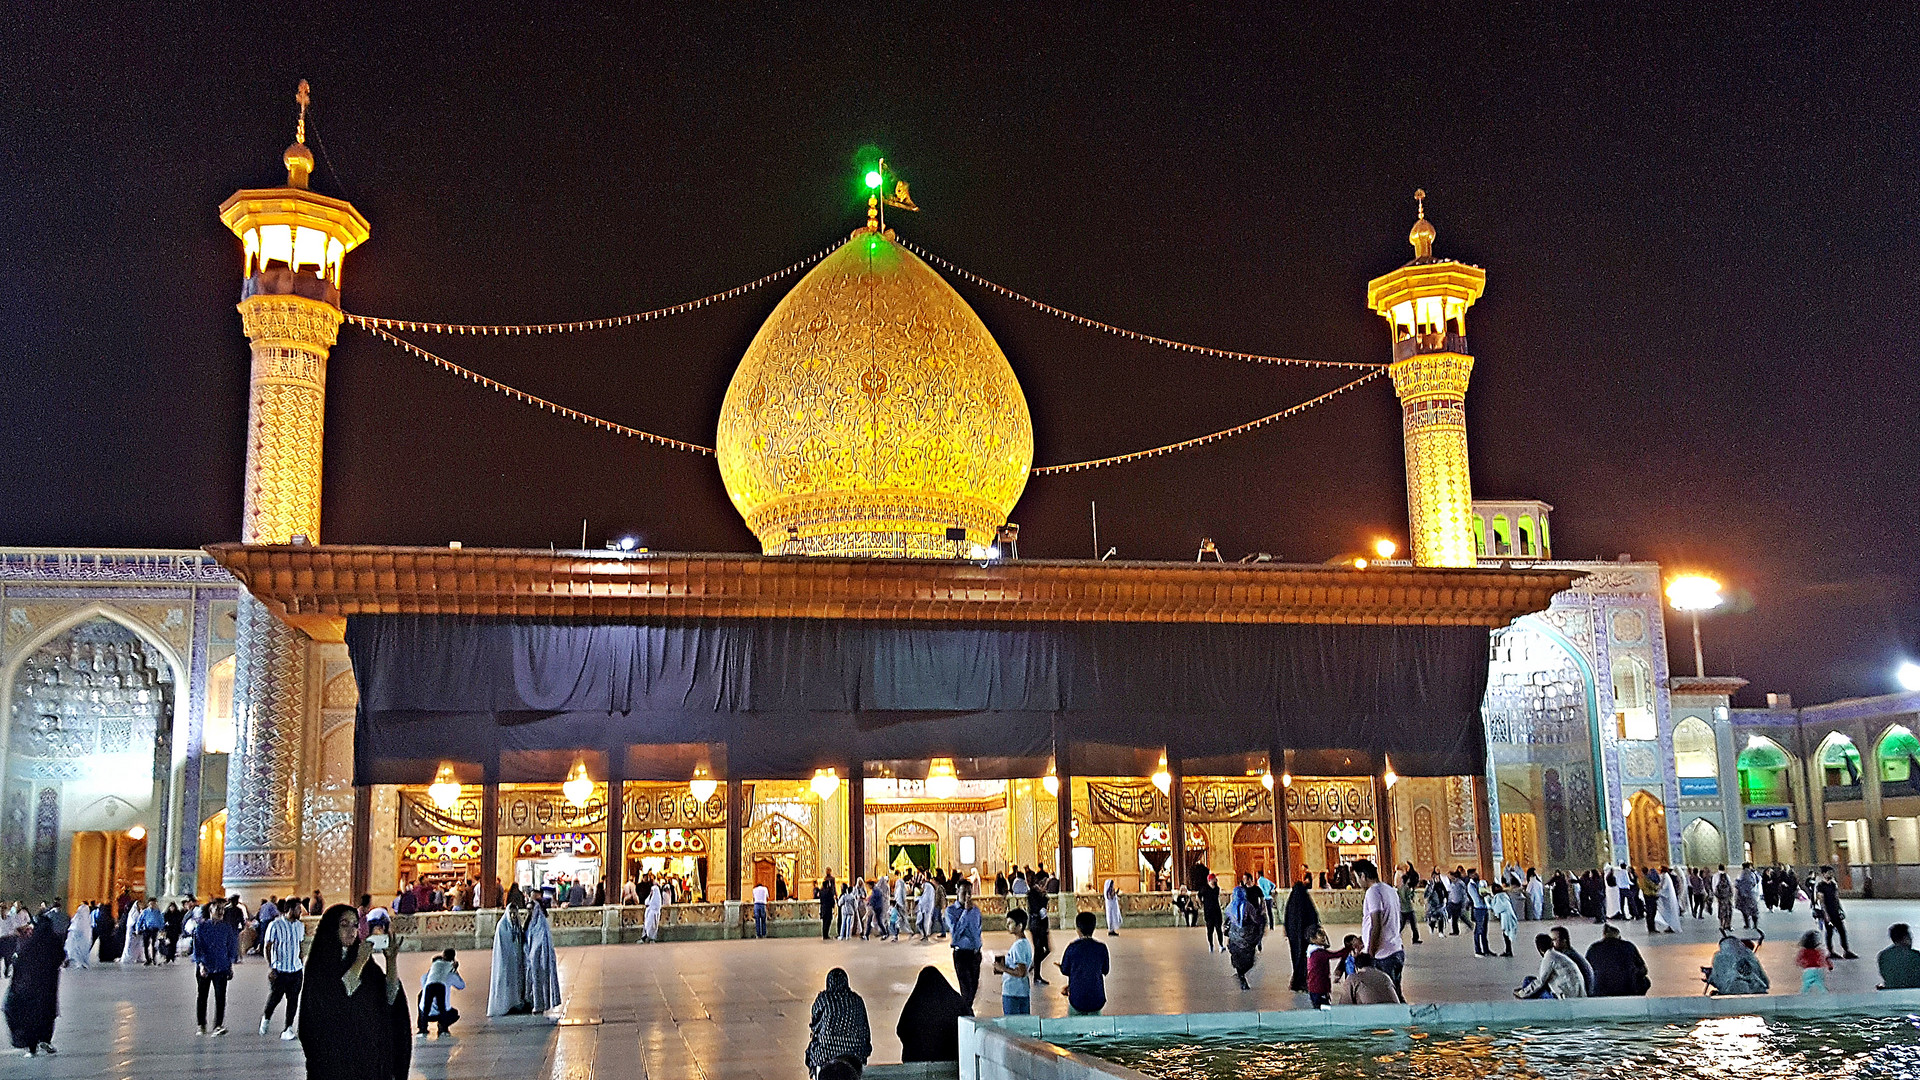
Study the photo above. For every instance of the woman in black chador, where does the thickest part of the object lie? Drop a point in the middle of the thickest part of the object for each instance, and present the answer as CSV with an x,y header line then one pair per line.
x,y
1300,918
33,998
354,1023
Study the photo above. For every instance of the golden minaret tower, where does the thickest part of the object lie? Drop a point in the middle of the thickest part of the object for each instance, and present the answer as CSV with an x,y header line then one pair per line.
x,y
293,241
1425,303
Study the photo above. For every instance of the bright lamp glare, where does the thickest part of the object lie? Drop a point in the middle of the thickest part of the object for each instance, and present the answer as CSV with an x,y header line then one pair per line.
x,y
1386,549
628,543
1909,676
1693,592
873,178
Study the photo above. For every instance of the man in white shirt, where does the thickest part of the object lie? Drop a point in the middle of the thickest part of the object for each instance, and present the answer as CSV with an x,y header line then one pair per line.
x,y
1558,977
1380,922
281,943
759,911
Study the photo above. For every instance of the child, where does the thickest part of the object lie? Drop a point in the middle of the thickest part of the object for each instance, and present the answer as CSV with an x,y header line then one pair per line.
x,y
1016,993
1319,978
442,977
1085,963
1349,948
1814,964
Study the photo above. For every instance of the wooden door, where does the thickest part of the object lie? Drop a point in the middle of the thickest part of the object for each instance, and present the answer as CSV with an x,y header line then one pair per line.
x,y
1520,840
1647,831
764,873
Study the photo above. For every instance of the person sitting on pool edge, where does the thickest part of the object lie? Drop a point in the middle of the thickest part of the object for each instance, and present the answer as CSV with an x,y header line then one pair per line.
x,y
1899,962
1085,963
1559,976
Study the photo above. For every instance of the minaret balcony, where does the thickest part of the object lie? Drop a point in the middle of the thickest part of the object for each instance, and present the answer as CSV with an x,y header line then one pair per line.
x,y
1418,344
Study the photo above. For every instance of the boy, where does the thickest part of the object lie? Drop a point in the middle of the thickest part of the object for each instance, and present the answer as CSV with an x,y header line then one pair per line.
x,y
441,978
1016,993
1084,963
1319,959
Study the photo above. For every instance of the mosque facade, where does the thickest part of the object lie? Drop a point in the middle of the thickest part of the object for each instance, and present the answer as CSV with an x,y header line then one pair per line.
x,y
180,722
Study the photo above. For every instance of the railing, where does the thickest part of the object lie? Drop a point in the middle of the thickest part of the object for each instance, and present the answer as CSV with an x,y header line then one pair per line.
x,y
1430,343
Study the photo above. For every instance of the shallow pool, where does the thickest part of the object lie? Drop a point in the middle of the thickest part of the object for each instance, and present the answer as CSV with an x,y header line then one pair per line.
x,y
1730,1047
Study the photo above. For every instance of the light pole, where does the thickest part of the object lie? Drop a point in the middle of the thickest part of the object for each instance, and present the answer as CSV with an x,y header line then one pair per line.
x,y
1693,594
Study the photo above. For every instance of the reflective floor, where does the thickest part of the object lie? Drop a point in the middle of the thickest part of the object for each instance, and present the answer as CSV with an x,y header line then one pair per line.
x,y
740,1008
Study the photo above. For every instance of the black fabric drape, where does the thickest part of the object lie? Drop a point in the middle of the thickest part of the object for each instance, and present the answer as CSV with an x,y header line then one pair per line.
x,y
786,695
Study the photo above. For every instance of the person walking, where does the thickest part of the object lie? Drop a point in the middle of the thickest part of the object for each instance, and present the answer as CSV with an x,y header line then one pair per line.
x,y
1500,906
1834,915
877,906
1246,926
1536,895
838,1026
1380,922
1667,920
33,996
964,919
829,898
849,906
1813,962
759,910
656,901
1038,927
1111,894
1014,968
1210,912
80,936
436,994
216,945
354,1023
1723,900
1746,899
1086,963
1458,906
1409,886
1299,920
284,968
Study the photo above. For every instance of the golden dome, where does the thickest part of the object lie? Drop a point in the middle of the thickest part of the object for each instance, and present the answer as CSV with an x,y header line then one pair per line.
x,y
1422,234
872,412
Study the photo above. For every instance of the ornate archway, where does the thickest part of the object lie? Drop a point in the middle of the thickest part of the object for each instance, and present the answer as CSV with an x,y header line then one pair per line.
x,y
1647,830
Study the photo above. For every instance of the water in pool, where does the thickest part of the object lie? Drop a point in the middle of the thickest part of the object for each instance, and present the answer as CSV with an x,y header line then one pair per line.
x,y
1731,1047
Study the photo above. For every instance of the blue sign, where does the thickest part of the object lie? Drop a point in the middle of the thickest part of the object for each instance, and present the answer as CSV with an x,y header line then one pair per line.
x,y
1699,787
1769,813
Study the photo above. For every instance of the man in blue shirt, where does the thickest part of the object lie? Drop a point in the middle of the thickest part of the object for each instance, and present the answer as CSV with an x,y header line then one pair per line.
x,y
963,916
1084,963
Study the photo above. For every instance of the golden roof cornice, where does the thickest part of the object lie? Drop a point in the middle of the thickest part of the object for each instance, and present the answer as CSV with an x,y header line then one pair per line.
x,y
315,587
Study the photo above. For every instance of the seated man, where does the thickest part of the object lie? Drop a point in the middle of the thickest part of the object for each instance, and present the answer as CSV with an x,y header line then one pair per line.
x,y
1899,962
1368,985
1618,968
1559,976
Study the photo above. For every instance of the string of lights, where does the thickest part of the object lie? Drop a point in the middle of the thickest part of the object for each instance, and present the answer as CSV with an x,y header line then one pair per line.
x,y
373,322
534,399
1131,335
1226,433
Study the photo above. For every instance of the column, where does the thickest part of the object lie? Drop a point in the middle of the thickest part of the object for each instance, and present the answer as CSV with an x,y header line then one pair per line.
x,y
1879,843
1483,824
361,871
1282,858
1063,805
291,337
857,820
491,894
1383,828
616,855
736,810
1177,820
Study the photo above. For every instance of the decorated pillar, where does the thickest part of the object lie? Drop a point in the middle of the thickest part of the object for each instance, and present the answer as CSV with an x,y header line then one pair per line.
x,y
294,242
1425,303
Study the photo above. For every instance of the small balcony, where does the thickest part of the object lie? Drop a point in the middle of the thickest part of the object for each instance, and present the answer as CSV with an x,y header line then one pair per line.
x,y
1430,343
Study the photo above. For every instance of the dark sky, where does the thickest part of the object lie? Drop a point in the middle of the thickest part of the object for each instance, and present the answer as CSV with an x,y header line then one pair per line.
x,y
1697,342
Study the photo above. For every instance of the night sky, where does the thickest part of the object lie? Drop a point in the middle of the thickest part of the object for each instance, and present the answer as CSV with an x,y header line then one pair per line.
x,y
1697,342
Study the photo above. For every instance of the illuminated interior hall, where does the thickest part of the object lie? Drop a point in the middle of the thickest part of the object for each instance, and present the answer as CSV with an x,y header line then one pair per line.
x,y
884,686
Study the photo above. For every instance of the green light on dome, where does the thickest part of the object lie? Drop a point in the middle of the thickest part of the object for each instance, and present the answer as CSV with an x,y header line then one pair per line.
x,y
873,178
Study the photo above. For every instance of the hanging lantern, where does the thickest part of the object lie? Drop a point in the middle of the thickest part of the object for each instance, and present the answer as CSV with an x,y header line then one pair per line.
x,y
1390,777
825,782
702,786
1163,779
1266,778
578,788
1286,779
445,789
942,781
1051,781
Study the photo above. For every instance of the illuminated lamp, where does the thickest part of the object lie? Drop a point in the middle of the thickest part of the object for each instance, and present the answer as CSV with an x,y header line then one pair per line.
x,y
1359,564
825,782
1286,779
1389,777
702,786
1385,548
578,788
138,832
1909,676
1693,594
1051,781
1266,778
445,789
942,781
874,178
1163,779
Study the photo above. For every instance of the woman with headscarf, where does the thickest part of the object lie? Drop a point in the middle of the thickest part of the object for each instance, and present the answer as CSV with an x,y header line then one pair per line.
x,y
1298,919
929,1027
1736,969
1037,923
1561,897
1501,906
839,1025
1210,911
354,1021
80,936
1244,931
543,968
1112,894
33,997
1667,918
1723,900
507,987
656,898
107,943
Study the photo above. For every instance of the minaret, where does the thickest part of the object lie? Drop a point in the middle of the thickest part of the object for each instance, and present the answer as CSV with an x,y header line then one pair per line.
x,y
1425,302
293,242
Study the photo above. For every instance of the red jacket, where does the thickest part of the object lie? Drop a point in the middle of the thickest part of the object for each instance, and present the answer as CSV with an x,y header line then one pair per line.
x,y
1319,975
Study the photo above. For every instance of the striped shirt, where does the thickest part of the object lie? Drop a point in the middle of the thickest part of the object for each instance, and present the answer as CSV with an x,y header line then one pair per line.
x,y
283,944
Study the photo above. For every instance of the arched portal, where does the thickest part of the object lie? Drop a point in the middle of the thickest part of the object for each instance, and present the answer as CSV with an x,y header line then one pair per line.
x,y
1647,830
213,855
1695,751
1702,845
1898,758
1839,761
1253,852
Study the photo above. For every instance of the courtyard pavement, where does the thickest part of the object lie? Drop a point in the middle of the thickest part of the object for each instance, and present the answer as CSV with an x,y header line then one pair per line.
x,y
740,1008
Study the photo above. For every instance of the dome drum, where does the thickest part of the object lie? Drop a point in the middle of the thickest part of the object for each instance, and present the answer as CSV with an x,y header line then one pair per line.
x,y
876,524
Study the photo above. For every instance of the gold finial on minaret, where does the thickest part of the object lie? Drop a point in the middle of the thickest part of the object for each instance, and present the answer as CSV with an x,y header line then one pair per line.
x,y
299,159
1421,237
